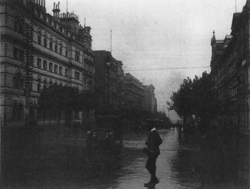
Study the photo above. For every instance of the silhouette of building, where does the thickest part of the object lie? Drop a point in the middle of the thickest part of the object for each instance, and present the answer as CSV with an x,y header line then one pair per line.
x,y
231,72
151,101
108,83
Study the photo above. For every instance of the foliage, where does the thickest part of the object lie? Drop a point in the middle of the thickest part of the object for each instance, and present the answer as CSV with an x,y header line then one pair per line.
x,y
195,97
59,98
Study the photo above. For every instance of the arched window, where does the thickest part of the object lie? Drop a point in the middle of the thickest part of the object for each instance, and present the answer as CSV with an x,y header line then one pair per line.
x,y
18,81
50,82
45,83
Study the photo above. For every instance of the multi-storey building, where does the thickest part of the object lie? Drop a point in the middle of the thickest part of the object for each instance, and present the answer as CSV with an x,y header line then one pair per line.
x,y
151,102
134,93
39,49
230,70
108,82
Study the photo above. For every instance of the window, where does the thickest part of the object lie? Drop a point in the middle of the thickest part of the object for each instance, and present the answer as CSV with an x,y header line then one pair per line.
x,y
16,24
44,83
18,81
21,55
18,111
38,62
5,49
50,67
39,85
45,64
45,42
66,53
55,68
77,75
77,56
60,50
15,111
56,48
15,53
21,26
51,45
66,72
39,38
60,70
18,54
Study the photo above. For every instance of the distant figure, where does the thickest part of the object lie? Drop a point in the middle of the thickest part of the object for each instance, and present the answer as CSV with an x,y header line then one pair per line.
x,y
153,151
89,143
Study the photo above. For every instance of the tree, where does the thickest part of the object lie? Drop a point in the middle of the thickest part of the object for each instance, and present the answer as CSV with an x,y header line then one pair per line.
x,y
195,97
65,99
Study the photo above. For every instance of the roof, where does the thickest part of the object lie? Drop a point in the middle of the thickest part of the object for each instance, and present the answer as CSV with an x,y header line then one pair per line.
x,y
236,17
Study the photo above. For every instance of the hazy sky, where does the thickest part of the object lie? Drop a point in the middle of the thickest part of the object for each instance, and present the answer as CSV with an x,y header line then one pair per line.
x,y
150,36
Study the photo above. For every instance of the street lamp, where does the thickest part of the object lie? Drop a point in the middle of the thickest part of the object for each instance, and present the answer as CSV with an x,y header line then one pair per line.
x,y
108,66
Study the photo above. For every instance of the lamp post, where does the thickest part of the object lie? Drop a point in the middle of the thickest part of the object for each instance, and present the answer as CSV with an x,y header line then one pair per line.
x,y
108,66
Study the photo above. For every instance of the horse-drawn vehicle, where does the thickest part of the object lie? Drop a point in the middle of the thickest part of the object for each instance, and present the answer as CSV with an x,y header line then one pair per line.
x,y
109,128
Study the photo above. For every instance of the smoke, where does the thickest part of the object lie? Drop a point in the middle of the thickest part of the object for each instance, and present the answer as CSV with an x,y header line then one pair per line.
x,y
169,85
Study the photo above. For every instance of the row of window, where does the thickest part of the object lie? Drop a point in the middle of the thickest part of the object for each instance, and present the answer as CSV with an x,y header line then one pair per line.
x,y
57,49
55,68
52,68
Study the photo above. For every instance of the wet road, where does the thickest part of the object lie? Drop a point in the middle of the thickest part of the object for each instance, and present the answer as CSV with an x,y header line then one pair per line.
x,y
178,166
174,166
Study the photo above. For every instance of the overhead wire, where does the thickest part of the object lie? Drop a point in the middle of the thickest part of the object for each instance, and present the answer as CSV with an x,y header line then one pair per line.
x,y
170,68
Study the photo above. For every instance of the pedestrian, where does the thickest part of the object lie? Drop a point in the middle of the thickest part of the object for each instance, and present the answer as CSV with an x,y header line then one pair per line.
x,y
153,151
89,142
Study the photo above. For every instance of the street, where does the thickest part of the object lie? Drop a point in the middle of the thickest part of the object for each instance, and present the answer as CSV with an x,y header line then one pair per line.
x,y
174,166
178,166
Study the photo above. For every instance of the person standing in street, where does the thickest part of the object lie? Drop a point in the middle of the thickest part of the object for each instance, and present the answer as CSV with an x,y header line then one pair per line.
x,y
153,151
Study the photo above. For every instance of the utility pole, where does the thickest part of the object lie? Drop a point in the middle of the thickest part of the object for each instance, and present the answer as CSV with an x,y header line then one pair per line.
x,y
235,6
28,68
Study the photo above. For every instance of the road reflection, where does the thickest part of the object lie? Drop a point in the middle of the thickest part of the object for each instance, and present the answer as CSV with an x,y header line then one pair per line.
x,y
28,164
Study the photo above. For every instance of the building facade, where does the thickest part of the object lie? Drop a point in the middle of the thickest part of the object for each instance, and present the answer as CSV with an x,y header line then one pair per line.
x,y
151,102
39,49
108,82
230,70
134,93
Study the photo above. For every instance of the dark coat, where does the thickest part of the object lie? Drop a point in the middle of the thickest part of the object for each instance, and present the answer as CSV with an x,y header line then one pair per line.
x,y
153,142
